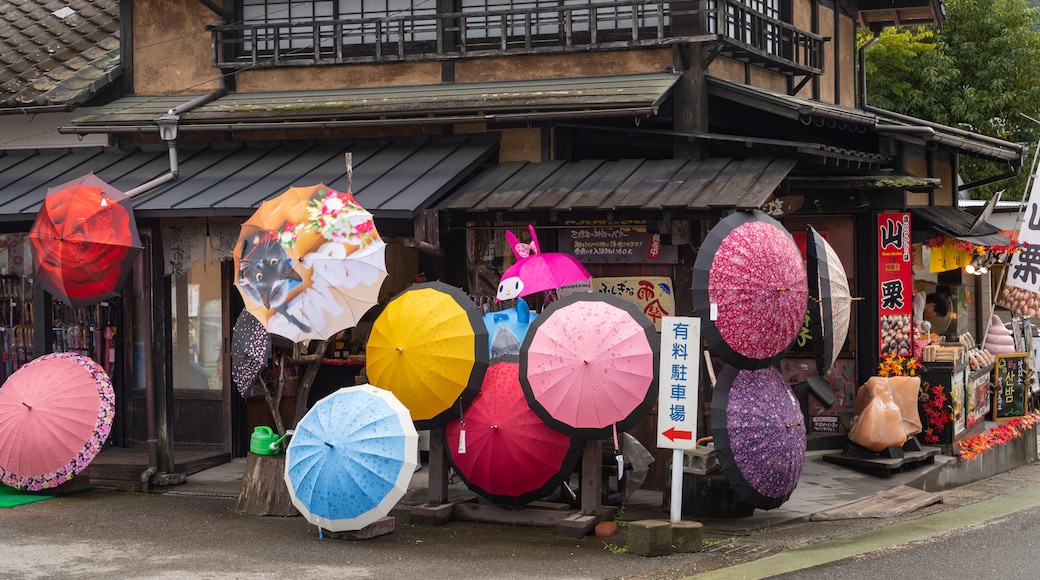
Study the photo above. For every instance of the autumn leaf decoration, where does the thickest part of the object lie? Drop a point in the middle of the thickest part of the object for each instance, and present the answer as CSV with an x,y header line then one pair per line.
x,y
973,447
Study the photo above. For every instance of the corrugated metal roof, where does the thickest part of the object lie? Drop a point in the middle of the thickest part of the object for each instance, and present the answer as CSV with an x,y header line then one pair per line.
x,y
876,119
487,99
623,184
957,223
392,179
57,53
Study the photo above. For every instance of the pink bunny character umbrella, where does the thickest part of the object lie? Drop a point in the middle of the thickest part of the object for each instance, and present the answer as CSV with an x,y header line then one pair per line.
x,y
535,271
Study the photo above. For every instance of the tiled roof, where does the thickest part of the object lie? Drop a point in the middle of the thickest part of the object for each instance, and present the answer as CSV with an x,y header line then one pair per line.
x,y
55,52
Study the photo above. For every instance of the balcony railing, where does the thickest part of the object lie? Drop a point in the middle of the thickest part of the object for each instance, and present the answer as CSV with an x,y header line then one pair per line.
x,y
740,31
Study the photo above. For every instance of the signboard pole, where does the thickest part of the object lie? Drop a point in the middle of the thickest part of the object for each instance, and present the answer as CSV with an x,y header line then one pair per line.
x,y
677,398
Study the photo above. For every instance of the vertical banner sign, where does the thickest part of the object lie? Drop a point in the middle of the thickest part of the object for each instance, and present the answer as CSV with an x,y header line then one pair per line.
x,y
1024,267
895,284
679,381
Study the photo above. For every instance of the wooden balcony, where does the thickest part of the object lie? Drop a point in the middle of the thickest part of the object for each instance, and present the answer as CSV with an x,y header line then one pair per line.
x,y
732,27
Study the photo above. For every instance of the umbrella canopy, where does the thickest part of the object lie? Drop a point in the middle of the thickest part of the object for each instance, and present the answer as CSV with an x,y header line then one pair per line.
x,y
534,271
309,263
829,286
759,434
589,363
351,458
509,454
250,350
429,347
55,413
749,289
84,241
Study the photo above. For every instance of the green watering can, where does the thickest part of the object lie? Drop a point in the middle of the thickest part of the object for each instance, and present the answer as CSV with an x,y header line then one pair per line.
x,y
265,441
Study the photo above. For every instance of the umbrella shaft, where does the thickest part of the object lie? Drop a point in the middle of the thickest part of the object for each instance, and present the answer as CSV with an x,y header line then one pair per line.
x,y
27,405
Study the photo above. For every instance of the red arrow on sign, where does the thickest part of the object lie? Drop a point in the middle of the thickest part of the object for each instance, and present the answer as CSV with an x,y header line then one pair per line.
x,y
672,434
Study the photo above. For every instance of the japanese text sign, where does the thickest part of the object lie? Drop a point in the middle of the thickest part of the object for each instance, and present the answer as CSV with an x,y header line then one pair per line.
x,y
1010,391
651,294
677,400
1024,267
895,284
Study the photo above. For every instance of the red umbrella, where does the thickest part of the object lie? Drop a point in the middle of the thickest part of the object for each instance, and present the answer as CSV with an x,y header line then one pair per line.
x,y
84,241
589,365
510,455
749,289
55,413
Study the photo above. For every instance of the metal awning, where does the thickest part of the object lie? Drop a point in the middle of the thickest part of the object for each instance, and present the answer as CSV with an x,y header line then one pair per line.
x,y
392,179
637,95
957,223
624,184
872,119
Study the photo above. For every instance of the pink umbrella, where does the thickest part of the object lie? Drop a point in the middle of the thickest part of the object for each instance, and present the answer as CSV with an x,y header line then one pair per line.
x,y
750,289
588,365
510,455
55,413
537,272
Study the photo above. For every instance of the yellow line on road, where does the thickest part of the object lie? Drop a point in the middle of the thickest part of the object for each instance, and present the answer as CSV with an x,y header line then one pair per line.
x,y
883,537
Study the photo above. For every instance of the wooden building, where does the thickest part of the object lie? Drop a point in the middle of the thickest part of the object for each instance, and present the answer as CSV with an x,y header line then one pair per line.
x,y
465,118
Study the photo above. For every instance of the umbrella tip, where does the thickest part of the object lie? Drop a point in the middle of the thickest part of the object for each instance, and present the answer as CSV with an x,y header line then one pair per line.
x,y
27,405
331,446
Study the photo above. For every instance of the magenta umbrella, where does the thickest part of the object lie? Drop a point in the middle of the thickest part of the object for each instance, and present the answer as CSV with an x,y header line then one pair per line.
x,y
588,365
535,271
55,413
510,455
749,289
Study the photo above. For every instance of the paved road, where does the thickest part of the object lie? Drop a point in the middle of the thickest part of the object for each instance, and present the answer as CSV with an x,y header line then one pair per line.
x,y
131,535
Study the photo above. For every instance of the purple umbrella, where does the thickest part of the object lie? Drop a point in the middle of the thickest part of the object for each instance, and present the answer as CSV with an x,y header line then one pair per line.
x,y
759,435
749,289
250,349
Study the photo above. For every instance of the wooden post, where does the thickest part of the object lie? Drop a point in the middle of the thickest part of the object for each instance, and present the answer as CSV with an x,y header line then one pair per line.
x,y
592,477
438,487
263,491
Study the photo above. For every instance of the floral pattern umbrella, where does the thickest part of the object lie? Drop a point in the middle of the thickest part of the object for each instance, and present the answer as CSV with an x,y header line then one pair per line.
x,y
502,449
310,263
55,414
250,351
84,241
749,289
759,434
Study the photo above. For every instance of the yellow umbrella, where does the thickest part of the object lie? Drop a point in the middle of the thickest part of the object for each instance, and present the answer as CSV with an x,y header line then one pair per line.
x,y
429,347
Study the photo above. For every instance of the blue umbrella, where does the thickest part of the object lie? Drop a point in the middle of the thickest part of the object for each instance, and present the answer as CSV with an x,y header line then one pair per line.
x,y
351,458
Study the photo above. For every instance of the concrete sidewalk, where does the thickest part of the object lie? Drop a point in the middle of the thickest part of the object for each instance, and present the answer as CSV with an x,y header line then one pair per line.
x,y
823,486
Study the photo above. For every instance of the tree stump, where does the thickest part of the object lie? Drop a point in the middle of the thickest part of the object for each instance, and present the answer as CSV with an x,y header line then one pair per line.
x,y
263,491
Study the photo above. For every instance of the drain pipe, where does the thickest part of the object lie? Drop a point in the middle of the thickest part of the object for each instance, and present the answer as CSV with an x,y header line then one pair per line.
x,y
167,123
863,68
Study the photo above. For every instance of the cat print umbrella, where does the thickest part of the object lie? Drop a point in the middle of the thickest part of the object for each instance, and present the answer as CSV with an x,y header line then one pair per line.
x,y
309,263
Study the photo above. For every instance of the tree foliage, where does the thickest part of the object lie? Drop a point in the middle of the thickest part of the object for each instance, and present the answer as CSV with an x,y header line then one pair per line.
x,y
979,72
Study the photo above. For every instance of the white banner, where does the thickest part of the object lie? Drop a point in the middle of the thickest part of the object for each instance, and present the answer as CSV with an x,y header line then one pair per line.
x,y
1024,267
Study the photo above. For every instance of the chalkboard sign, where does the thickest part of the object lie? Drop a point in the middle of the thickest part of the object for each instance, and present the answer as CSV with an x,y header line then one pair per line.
x,y
1010,392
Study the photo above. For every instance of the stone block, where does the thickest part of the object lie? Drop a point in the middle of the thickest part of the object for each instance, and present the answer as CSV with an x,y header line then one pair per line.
x,y
432,514
576,526
650,538
687,536
381,527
